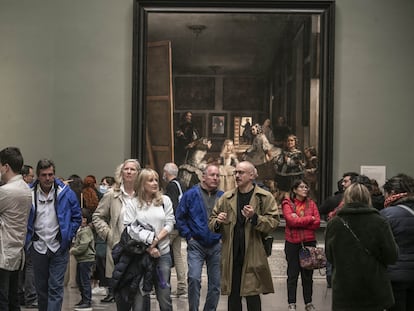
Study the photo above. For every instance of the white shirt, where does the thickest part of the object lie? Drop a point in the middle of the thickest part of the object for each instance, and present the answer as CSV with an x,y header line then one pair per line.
x,y
46,224
129,206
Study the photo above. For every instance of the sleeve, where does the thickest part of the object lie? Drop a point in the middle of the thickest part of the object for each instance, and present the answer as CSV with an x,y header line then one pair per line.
x,y
101,216
182,216
213,225
169,214
389,249
297,222
76,214
268,218
81,247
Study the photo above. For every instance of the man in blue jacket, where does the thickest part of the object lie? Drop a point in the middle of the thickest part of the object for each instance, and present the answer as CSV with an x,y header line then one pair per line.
x,y
54,219
203,245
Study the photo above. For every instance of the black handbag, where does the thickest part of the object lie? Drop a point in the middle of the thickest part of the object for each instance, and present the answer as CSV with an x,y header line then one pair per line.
x,y
268,244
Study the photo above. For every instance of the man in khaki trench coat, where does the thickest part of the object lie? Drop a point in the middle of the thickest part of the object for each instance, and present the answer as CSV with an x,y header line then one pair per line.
x,y
242,216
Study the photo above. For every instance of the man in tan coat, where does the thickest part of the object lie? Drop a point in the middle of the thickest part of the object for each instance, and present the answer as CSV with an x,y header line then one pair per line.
x,y
15,204
242,216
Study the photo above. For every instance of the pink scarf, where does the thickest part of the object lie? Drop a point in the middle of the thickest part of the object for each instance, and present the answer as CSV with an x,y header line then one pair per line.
x,y
394,197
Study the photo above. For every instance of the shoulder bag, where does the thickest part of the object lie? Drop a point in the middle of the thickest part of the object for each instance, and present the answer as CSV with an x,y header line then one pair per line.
x,y
311,257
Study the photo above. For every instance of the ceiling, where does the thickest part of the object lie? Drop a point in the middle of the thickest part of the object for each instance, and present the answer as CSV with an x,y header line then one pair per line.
x,y
223,43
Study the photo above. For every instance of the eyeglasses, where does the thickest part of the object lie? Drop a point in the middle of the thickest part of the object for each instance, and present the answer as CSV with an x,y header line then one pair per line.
x,y
303,187
239,172
46,201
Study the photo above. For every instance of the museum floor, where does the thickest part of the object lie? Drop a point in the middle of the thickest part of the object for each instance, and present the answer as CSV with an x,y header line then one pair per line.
x,y
273,302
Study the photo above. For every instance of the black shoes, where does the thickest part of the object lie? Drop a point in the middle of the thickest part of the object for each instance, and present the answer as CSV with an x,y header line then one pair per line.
x,y
108,298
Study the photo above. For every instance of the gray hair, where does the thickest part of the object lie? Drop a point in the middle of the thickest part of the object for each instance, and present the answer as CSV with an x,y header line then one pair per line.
x,y
171,168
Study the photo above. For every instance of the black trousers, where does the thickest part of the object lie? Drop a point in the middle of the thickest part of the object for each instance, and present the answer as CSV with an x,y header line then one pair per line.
x,y
234,302
9,284
293,271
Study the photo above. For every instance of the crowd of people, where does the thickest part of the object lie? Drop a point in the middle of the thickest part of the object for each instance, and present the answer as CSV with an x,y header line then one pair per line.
x,y
126,235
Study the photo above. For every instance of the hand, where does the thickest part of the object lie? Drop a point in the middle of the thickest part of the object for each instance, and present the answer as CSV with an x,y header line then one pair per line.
x,y
154,252
222,217
247,211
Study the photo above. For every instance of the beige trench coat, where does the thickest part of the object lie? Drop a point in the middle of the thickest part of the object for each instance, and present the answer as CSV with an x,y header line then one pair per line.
x,y
108,224
256,277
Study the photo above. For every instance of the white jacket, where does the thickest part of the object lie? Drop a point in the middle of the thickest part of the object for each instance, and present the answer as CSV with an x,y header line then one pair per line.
x,y
15,204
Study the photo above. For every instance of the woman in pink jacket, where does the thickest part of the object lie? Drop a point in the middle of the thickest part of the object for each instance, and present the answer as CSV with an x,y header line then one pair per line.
x,y
302,220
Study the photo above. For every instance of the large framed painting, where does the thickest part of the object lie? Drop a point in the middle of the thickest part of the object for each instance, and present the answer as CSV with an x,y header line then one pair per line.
x,y
271,61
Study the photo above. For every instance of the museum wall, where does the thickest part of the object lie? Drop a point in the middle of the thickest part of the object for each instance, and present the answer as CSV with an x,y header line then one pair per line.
x,y
65,83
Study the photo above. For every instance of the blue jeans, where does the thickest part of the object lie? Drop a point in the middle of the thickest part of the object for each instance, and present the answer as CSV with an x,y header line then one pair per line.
x,y
196,255
49,275
83,280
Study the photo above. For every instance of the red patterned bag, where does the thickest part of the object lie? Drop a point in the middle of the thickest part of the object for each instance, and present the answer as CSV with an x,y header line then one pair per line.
x,y
311,257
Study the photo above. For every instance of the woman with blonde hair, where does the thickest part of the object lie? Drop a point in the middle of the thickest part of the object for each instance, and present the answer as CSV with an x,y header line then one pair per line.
x,y
359,243
116,210
156,209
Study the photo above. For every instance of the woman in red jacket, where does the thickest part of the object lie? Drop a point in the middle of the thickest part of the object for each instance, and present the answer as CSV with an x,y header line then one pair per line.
x,y
302,220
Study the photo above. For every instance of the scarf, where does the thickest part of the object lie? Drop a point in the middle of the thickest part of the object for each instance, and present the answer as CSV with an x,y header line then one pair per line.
x,y
394,197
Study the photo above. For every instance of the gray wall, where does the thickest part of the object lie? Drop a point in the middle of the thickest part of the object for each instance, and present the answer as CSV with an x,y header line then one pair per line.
x,y
65,83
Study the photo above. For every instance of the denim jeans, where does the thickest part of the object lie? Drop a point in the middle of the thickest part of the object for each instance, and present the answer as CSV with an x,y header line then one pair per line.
x,y
49,275
83,280
9,284
196,256
142,303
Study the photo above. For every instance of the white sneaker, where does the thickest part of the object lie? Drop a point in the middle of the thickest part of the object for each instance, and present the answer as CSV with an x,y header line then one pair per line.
x,y
291,307
309,307
100,291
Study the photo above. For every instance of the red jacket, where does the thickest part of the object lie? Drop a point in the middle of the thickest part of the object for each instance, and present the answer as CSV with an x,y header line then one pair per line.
x,y
302,228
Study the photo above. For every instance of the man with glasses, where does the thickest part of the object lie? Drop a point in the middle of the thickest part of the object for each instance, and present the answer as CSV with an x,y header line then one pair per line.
x,y
54,219
333,201
243,215
15,202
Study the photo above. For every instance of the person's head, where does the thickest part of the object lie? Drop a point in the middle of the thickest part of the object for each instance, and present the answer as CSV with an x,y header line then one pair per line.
x,y
310,151
364,180
210,177
89,181
357,193
228,146
127,172
299,189
11,162
400,183
257,129
28,173
188,115
291,141
45,171
348,179
170,171
147,186
86,218
375,187
245,173
106,183
266,123
281,120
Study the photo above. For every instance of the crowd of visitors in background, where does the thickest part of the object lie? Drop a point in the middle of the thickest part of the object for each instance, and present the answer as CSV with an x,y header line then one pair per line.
x,y
125,234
